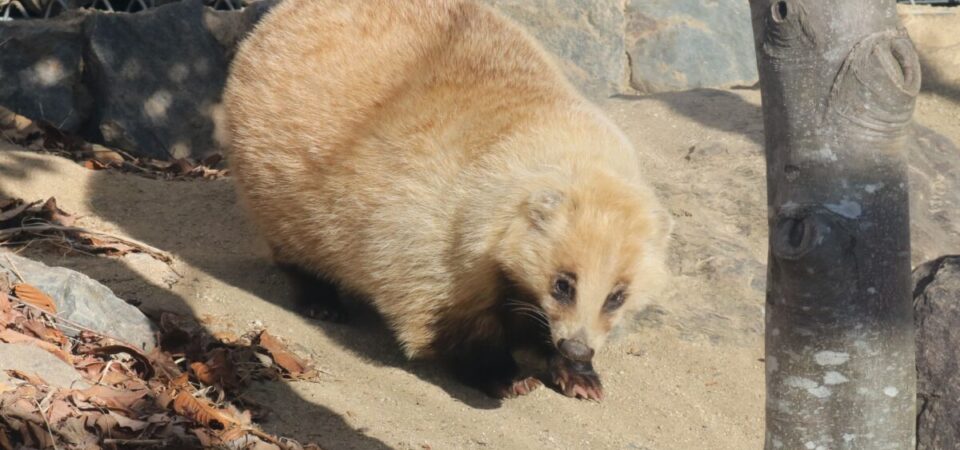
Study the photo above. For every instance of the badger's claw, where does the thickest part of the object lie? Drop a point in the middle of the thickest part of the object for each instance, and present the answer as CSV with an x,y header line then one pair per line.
x,y
515,388
577,380
525,386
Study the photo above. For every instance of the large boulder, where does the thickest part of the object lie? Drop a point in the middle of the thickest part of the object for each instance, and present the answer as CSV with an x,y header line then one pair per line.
x,y
684,44
157,77
148,83
937,317
41,71
585,35
230,27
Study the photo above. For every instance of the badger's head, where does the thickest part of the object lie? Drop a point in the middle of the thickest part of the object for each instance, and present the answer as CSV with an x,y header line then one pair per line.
x,y
584,252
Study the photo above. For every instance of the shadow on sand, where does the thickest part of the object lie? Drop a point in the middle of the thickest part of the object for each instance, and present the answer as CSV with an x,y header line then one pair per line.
x,y
132,212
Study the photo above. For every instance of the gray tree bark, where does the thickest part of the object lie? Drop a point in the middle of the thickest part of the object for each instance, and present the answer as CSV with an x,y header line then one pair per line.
x,y
839,80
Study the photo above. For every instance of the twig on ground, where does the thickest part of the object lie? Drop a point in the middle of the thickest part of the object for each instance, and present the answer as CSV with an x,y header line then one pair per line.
x,y
146,248
13,268
136,442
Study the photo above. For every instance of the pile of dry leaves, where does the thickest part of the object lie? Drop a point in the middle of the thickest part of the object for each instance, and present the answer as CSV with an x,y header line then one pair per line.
x,y
22,222
186,393
176,396
45,137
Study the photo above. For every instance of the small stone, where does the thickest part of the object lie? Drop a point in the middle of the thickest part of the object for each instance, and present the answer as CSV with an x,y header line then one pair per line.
x,y
83,300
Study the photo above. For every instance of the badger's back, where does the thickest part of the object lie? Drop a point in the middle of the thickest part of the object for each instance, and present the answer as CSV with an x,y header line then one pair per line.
x,y
351,121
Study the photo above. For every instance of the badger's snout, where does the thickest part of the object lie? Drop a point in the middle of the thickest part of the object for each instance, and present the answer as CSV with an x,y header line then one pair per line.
x,y
575,349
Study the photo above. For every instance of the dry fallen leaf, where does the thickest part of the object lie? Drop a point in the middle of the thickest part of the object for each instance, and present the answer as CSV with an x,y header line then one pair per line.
x,y
5,304
50,212
115,399
105,155
93,164
201,412
31,378
15,337
106,423
217,370
144,366
15,127
29,294
212,160
126,422
182,166
59,409
45,332
72,430
286,360
42,437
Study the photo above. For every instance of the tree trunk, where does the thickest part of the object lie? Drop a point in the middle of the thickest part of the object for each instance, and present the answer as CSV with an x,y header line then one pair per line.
x,y
839,80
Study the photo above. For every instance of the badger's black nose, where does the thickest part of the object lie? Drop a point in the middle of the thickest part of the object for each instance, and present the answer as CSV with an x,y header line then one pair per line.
x,y
575,350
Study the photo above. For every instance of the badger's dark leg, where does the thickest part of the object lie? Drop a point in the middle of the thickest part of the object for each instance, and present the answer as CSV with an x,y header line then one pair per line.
x,y
316,298
478,352
490,367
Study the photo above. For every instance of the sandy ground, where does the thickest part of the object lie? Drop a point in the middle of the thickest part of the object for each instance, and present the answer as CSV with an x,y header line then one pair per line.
x,y
685,373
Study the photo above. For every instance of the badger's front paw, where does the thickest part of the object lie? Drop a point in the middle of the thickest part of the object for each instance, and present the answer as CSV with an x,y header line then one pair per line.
x,y
576,379
515,388
324,312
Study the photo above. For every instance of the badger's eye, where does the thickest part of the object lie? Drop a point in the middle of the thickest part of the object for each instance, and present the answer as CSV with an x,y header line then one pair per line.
x,y
614,300
563,288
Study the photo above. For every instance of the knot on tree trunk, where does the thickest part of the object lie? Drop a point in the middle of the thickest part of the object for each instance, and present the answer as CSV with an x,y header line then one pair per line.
x,y
800,230
812,242
789,32
875,90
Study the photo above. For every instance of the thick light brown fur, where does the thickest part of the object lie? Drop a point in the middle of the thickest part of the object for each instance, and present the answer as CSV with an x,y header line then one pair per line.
x,y
418,152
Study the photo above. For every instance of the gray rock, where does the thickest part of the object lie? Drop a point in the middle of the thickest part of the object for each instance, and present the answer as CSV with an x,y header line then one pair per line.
x,y
157,78
150,83
937,317
685,44
586,36
229,27
41,71
34,360
84,301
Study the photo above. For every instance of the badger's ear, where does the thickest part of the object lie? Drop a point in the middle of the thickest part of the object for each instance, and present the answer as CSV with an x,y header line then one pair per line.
x,y
542,206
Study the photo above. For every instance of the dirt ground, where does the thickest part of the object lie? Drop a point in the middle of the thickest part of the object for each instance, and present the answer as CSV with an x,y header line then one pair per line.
x,y
685,373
